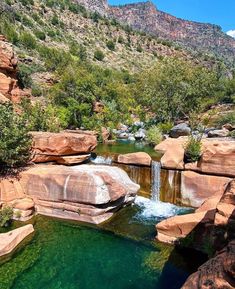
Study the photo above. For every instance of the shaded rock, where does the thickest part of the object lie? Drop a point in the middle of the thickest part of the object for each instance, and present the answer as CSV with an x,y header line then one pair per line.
x,y
196,188
139,158
10,240
181,129
217,273
229,126
218,133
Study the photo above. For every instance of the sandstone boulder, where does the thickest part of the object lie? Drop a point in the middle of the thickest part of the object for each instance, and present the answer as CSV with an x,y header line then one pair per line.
x,y
178,227
217,273
173,153
139,158
196,188
89,193
10,240
58,146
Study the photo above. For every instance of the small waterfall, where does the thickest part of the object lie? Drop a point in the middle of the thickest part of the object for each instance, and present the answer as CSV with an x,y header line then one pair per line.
x,y
156,180
101,160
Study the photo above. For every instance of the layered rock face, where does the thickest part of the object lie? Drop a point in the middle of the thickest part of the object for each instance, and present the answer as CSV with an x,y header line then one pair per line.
x,y
87,193
9,89
67,148
145,16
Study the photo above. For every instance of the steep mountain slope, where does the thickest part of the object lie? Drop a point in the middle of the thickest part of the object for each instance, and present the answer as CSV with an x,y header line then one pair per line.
x,y
144,16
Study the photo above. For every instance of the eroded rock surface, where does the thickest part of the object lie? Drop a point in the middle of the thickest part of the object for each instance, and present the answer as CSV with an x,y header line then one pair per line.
x,y
10,240
139,158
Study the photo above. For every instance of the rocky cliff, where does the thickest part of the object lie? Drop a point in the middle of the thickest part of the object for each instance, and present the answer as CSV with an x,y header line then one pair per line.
x,y
145,16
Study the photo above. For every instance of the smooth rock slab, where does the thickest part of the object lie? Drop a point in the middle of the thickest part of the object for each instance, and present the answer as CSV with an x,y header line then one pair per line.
x,y
10,240
139,158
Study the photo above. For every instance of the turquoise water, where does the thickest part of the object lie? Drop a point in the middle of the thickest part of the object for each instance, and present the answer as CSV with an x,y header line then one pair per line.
x,y
119,254
124,147
67,255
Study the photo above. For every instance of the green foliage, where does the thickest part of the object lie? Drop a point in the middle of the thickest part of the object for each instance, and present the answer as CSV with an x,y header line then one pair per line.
x,y
226,118
15,142
9,31
6,214
154,135
193,149
111,45
165,127
55,20
24,76
27,40
232,134
27,2
99,55
40,34
139,48
173,88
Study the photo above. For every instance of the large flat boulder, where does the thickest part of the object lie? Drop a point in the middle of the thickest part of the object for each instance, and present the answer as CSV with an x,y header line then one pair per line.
x,y
139,158
63,147
89,193
196,188
181,129
10,240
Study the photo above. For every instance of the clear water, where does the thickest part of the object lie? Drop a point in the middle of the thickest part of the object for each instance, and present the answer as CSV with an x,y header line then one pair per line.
x,y
119,254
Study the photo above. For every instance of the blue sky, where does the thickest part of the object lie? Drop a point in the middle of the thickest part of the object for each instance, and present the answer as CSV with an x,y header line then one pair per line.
x,y
221,12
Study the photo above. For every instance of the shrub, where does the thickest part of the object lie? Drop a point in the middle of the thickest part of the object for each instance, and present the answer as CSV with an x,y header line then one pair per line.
x,y
154,135
6,214
120,39
193,149
165,127
55,20
139,49
40,34
24,76
27,40
232,134
227,118
15,142
111,45
99,55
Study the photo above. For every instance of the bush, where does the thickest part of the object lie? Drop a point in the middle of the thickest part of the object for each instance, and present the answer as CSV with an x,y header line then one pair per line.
x,y
40,34
154,135
193,149
232,134
15,142
227,118
165,127
99,55
27,40
111,45
24,76
6,214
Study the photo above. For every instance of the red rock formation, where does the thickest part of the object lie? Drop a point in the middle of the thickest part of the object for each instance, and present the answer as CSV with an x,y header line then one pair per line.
x,y
63,148
217,273
85,193
9,89
145,16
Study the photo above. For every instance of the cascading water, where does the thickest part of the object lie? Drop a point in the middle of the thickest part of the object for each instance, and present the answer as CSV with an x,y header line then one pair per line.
x,y
156,181
101,160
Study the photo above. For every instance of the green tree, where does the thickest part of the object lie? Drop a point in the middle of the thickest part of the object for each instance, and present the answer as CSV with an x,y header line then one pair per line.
x,y
15,141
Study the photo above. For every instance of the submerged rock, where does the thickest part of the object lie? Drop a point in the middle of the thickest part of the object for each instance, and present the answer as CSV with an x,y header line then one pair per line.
x,y
10,240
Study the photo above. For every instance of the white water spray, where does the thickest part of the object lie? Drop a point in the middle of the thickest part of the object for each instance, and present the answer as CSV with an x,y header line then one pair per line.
x,y
100,160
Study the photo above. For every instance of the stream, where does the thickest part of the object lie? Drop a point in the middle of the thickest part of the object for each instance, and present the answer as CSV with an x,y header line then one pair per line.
x,y
119,254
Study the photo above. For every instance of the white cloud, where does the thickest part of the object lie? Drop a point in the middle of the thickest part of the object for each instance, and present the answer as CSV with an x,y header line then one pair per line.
x,y
231,33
